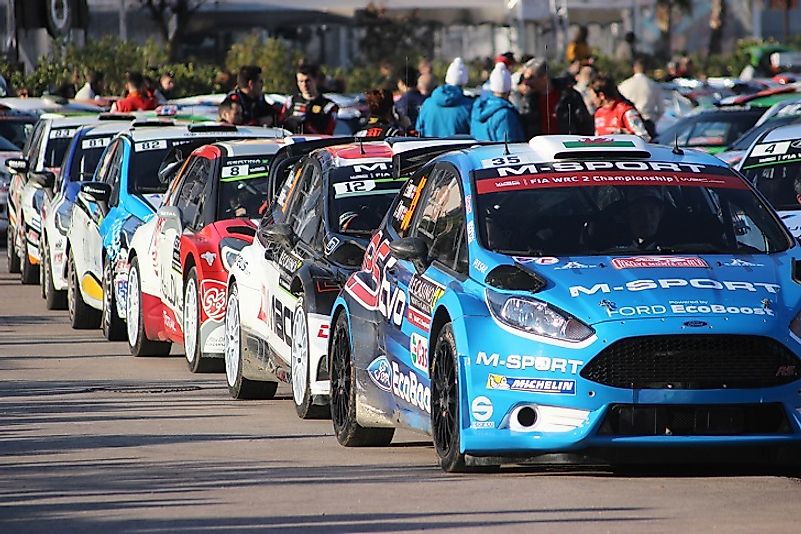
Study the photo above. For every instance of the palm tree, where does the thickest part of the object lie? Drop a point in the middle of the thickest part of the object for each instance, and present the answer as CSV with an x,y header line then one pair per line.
x,y
664,18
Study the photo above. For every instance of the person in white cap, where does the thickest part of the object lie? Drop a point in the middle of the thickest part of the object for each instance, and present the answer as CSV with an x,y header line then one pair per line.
x,y
494,118
447,111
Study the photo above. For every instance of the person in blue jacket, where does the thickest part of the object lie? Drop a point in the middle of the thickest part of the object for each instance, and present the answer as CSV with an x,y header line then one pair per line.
x,y
494,118
447,111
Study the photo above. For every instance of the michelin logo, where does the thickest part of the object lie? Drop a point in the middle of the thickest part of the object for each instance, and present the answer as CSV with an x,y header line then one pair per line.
x,y
532,385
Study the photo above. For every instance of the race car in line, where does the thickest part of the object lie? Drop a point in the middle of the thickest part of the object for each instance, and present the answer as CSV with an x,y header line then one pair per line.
x,y
773,164
41,158
60,193
179,260
592,296
282,286
125,191
15,127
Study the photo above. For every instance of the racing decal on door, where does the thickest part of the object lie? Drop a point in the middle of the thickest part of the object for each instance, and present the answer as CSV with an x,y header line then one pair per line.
x,y
213,299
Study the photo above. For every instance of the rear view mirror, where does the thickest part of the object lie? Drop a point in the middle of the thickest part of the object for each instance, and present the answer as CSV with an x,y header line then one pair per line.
x,y
277,233
17,164
98,192
44,179
412,249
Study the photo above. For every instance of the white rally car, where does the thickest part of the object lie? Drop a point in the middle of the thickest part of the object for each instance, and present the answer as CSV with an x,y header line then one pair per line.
x,y
125,192
41,162
281,287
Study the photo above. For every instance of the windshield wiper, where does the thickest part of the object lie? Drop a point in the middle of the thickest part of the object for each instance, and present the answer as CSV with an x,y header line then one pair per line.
x,y
693,247
151,190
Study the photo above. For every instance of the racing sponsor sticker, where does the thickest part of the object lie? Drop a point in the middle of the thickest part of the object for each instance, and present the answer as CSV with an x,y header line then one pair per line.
x,y
418,348
354,188
649,262
423,296
574,265
598,142
481,409
559,386
770,154
381,373
244,169
63,133
672,283
686,308
213,299
523,361
144,146
97,142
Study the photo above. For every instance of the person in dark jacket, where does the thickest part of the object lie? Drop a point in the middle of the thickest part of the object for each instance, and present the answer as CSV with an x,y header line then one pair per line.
x,y
494,118
382,121
309,111
411,100
560,109
250,93
447,111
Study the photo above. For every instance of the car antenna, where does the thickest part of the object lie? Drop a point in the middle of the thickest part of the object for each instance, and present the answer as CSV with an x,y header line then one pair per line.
x,y
506,144
676,149
547,92
361,146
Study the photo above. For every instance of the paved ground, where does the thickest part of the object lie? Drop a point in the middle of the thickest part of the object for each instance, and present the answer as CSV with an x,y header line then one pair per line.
x,y
93,440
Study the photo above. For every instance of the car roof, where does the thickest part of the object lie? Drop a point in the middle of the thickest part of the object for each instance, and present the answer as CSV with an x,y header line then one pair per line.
x,y
185,131
549,148
250,147
784,133
104,128
71,122
353,153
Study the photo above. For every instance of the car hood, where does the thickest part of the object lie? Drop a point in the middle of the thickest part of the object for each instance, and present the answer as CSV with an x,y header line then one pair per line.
x,y
597,289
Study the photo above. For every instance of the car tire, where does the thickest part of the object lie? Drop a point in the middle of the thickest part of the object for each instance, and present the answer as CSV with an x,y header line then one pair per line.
x,y
191,326
135,319
238,386
82,316
11,251
113,327
29,273
343,395
54,299
301,371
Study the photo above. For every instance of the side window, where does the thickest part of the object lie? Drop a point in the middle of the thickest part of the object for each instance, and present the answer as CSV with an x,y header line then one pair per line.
x,y
112,176
33,141
306,204
191,193
441,221
105,163
408,201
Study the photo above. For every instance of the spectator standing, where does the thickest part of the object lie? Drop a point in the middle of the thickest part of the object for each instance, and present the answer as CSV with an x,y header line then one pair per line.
x,y
166,87
382,121
626,50
138,98
578,48
250,93
447,111
584,78
230,110
308,111
645,94
527,101
560,108
493,117
613,113
411,99
93,88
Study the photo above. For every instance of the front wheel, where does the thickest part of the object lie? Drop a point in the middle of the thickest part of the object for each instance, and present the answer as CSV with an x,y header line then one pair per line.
x,y
301,371
113,326
239,386
445,403
343,395
135,319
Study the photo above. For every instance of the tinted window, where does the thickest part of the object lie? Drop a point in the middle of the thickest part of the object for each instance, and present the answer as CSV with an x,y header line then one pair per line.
x,y
745,140
360,197
192,193
408,201
86,157
16,132
306,204
707,210
441,221
57,144
243,189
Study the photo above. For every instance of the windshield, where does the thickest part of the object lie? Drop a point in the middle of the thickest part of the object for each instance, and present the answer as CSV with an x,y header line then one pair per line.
x,y
745,140
243,187
16,132
57,146
716,130
775,169
631,206
360,197
86,157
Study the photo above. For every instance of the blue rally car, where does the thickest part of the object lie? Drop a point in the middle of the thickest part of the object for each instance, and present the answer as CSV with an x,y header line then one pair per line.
x,y
588,296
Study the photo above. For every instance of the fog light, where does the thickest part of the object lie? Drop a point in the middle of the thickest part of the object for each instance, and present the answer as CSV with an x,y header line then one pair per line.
x,y
527,416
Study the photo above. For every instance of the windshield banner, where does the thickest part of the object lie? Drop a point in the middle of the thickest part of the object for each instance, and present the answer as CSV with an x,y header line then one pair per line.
x,y
769,154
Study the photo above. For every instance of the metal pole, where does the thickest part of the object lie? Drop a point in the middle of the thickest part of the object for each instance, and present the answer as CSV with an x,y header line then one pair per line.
x,y
123,21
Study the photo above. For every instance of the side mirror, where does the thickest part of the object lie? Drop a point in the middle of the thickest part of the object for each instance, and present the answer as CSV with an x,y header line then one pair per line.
x,y
44,179
412,249
98,192
170,213
17,164
278,233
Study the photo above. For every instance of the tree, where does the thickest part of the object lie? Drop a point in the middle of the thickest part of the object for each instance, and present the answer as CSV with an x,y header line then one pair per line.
x,y
172,18
664,19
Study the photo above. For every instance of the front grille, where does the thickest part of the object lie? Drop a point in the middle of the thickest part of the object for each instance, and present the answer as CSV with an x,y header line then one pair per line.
x,y
694,420
693,362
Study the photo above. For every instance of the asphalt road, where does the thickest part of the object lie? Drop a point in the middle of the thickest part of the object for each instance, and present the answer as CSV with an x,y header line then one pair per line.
x,y
94,440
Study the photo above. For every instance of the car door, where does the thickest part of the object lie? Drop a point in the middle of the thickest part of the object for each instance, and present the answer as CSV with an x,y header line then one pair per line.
x,y
305,218
439,221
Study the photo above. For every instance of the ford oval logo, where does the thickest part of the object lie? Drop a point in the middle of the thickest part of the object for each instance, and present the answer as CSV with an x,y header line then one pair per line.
x,y
695,324
380,373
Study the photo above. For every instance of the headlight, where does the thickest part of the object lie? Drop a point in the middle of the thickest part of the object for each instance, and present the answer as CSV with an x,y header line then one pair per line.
x,y
536,317
229,250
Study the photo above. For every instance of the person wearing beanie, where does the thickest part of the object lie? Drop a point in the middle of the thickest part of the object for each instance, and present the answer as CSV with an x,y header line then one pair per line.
x,y
494,118
447,111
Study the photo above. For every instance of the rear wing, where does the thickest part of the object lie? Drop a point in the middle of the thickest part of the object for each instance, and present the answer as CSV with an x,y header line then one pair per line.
x,y
411,153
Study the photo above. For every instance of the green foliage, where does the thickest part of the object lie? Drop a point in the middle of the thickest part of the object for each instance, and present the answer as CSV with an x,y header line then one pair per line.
x,y
394,39
277,61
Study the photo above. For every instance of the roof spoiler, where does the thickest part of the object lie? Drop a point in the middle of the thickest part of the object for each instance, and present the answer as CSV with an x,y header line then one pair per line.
x,y
406,162
148,123
602,154
301,148
115,117
214,127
